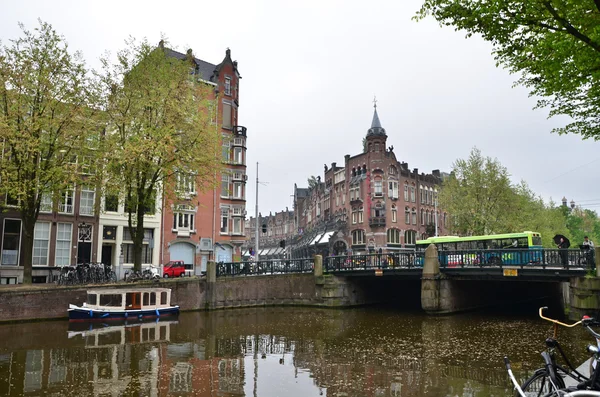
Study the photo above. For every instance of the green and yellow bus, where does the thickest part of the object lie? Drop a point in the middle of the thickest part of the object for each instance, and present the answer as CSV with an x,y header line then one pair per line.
x,y
491,249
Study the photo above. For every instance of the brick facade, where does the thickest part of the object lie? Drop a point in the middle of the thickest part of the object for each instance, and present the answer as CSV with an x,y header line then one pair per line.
x,y
374,202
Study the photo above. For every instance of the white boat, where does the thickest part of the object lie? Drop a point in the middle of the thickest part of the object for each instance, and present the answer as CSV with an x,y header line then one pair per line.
x,y
118,304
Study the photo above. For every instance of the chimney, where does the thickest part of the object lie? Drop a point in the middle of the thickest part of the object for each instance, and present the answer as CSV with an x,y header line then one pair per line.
x,y
416,171
333,166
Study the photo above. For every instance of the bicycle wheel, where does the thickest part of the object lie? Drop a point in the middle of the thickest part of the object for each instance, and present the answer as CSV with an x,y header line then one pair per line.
x,y
540,384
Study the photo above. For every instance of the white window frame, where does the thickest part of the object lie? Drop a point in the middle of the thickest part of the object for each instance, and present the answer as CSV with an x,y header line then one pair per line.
x,y
358,237
225,193
86,204
238,191
186,183
227,85
63,244
46,203
237,225
41,244
17,252
378,185
393,189
393,236
224,223
238,157
63,205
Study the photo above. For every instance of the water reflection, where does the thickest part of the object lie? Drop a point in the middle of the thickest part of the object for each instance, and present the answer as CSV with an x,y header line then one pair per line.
x,y
276,352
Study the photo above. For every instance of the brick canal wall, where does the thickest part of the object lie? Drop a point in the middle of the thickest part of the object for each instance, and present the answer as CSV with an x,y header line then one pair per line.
x,y
44,301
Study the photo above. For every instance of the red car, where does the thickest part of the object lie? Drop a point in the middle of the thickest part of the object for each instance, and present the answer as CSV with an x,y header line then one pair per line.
x,y
174,269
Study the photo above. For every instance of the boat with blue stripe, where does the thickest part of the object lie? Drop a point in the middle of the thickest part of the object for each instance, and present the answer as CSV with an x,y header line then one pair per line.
x,y
116,304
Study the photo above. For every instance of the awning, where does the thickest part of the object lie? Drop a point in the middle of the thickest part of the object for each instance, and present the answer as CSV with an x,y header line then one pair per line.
x,y
262,252
270,251
245,253
326,237
316,239
279,251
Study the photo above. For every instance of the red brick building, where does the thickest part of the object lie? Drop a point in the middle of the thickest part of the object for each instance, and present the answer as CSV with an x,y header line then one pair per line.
x,y
210,225
373,202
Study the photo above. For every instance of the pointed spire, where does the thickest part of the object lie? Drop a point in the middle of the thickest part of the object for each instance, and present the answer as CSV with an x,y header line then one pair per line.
x,y
376,128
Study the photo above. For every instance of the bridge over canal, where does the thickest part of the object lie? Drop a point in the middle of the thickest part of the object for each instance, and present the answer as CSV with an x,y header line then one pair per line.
x,y
443,282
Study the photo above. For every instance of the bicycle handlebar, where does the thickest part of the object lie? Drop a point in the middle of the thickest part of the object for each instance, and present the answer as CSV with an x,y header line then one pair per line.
x,y
556,321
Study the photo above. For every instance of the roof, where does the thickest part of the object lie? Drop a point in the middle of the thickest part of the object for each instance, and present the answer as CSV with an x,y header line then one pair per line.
x,y
124,290
204,70
376,128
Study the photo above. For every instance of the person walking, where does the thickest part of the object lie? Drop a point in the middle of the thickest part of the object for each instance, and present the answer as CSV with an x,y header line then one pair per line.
x,y
588,252
563,244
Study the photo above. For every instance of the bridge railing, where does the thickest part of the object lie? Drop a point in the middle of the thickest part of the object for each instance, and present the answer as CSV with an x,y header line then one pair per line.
x,y
272,266
567,259
394,260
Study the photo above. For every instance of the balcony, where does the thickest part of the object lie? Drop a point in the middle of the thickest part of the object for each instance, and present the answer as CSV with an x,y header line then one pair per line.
x,y
239,130
377,221
356,200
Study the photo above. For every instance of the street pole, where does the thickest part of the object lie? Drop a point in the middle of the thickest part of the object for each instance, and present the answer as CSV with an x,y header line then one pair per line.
x,y
256,219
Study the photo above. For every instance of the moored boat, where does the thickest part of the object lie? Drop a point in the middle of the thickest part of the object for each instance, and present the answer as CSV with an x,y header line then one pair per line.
x,y
117,304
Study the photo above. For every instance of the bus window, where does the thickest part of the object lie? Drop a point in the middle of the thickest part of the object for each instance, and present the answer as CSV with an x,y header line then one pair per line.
x,y
536,240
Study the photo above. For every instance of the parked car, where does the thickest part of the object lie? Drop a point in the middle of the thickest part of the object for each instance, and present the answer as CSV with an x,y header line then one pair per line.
x,y
174,269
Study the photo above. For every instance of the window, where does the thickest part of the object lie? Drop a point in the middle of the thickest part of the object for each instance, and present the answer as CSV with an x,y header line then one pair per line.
x,y
354,216
186,183
227,115
227,85
86,203
358,237
410,237
224,220
237,225
225,150
394,215
360,215
11,242
41,242
46,203
111,203
355,193
392,170
405,192
393,236
237,190
183,221
412,194
238,141
407,215
63,244
378,188
421,194
414,216
393,189
237,156
422,217
224,185
65,205
146,247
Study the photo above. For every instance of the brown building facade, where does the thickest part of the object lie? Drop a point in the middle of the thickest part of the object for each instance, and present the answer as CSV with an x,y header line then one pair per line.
x,y
209,225
374,202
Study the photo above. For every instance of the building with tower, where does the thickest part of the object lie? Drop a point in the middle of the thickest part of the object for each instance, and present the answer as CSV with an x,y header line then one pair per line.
x,y
372,203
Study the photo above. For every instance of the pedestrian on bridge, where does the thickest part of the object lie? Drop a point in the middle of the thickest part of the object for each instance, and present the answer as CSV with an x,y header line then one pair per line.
x,y
563,244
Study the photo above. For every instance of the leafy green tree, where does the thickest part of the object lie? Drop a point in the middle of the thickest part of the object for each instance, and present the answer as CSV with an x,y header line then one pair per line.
x,y
46,124
481,199
160,138
313,182
477,195
554,47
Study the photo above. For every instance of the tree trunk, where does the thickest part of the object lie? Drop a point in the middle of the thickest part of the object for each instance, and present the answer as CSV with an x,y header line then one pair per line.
x,y
138,241
27,247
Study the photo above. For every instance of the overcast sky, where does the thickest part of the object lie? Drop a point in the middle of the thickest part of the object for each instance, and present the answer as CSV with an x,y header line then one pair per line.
x,y
310,70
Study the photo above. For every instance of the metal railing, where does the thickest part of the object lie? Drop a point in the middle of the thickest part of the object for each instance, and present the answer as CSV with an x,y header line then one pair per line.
x,y
273,266
394,260
563,258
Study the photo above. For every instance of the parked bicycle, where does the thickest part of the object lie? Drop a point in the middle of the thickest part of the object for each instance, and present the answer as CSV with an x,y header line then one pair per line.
x,y
86,273
550,379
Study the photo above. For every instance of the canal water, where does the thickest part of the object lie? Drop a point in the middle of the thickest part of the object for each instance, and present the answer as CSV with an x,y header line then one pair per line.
x,y
291,352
